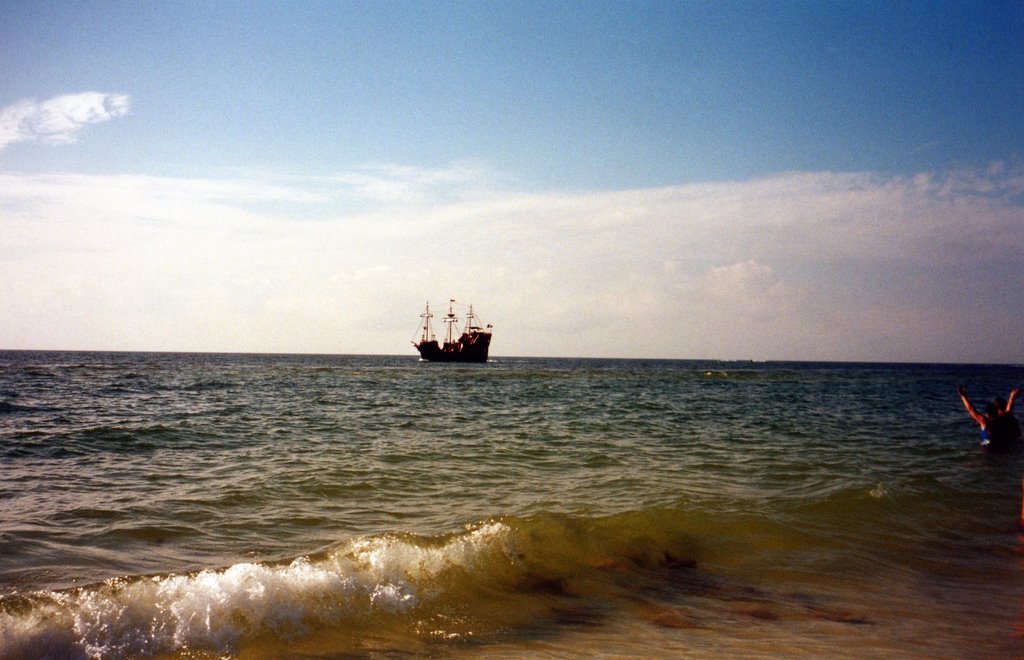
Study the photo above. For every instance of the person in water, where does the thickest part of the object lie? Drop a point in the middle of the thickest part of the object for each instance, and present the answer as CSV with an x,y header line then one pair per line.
x,y
1000,430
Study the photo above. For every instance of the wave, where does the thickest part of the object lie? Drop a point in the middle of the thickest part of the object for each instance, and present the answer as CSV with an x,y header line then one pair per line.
x,y
6,407
219,609
492,580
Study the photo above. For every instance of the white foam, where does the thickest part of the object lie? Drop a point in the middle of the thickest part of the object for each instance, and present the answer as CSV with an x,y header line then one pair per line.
x,y
396,559
217,609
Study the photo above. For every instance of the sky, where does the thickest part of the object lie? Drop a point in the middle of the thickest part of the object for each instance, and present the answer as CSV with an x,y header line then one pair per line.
x,y
747,180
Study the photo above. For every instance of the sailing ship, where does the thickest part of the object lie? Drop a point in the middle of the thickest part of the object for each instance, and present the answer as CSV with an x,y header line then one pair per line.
x,y
470,345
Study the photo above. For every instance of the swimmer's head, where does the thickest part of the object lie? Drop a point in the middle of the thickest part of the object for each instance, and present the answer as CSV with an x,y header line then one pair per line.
x,y
992,409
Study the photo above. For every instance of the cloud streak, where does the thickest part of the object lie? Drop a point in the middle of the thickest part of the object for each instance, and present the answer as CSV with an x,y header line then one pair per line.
x,y
58,120
848,266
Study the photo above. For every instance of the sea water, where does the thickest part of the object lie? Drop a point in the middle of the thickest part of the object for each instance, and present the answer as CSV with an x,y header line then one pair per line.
x,y
259,506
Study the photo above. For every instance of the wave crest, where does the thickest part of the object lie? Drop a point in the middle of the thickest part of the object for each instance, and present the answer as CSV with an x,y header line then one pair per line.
x,y
384,575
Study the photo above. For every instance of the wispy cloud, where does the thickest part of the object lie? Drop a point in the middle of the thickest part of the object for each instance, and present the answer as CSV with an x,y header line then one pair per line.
x,y
801,265
402,184
59,119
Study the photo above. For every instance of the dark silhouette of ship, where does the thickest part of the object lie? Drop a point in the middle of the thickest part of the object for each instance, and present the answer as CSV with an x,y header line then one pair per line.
x,y
471,345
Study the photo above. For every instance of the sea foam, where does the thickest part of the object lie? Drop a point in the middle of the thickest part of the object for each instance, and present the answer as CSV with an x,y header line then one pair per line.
x,y
217,610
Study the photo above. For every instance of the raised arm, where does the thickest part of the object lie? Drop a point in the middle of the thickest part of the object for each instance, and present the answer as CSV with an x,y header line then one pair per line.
x,y
1014,393
975,415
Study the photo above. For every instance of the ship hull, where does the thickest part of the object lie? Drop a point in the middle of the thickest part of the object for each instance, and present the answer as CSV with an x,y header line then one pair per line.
x,y
469,348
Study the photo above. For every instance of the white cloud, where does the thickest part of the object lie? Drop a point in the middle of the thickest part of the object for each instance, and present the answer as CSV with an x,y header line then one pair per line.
x,y
401,184
745,280
801,265
58,120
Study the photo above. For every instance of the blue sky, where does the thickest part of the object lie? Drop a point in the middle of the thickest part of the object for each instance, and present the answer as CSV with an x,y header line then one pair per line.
x,y
778,180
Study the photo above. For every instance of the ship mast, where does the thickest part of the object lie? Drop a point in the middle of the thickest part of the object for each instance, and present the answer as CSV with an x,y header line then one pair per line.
x,y
450,322
426,316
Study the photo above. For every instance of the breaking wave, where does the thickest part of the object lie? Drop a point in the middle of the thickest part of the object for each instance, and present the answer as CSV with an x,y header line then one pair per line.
x,y
217,610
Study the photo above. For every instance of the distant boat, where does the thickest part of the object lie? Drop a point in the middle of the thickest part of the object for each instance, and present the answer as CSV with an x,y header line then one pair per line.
x,y
471,345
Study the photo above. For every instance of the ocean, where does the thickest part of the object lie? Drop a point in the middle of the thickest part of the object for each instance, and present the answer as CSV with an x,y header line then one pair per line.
x,y
298,506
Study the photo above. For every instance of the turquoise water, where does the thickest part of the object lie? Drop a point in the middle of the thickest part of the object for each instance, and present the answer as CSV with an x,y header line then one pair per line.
x,y
186,505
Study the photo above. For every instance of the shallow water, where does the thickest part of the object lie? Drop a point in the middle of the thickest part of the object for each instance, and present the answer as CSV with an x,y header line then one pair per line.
x,y
171,505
